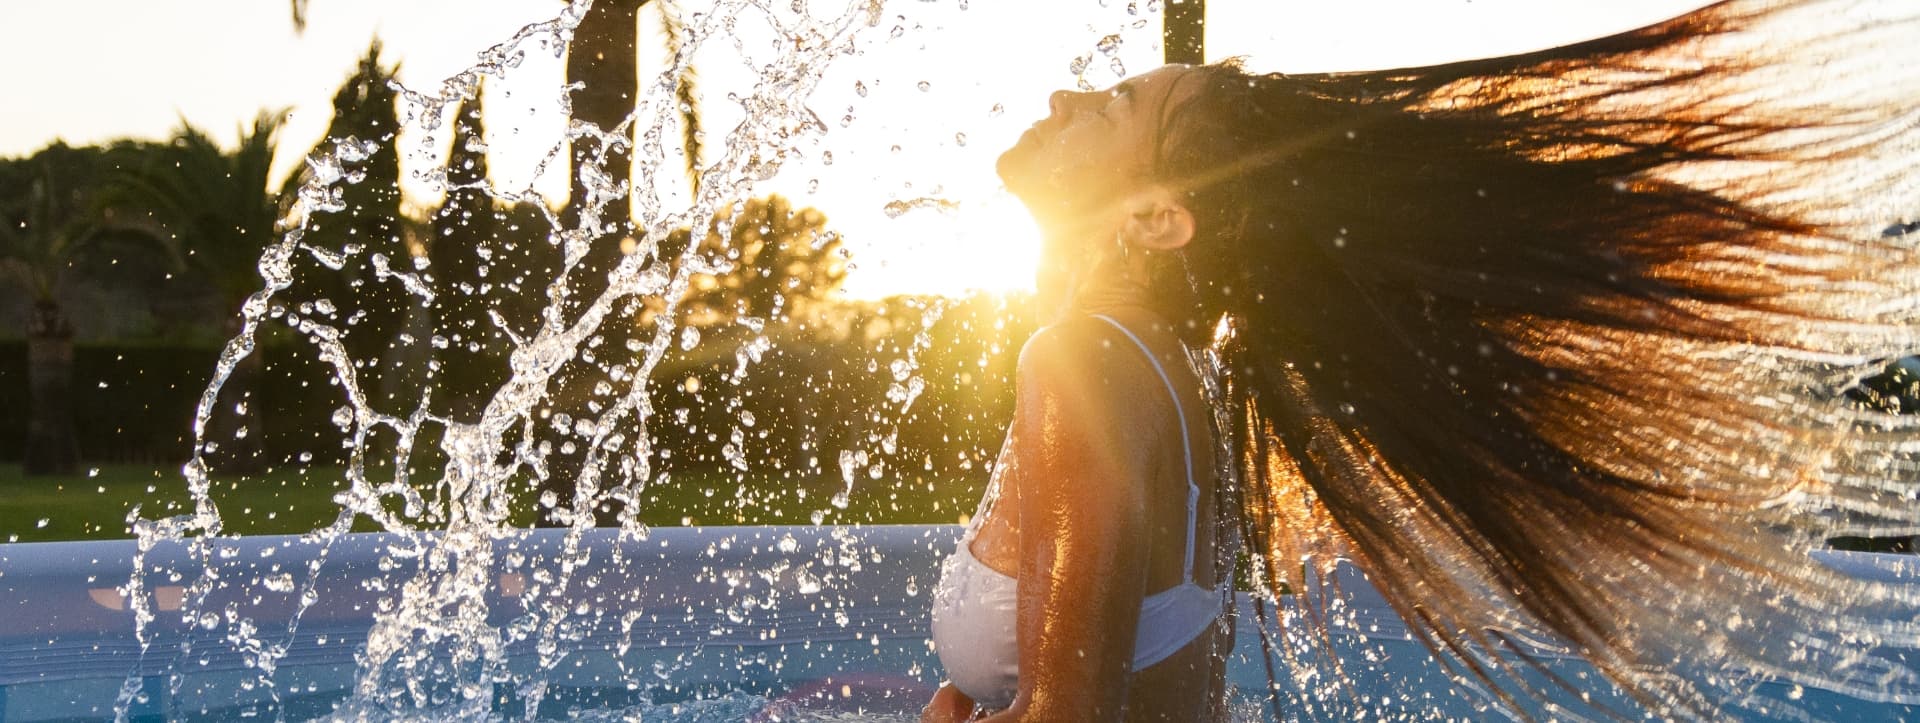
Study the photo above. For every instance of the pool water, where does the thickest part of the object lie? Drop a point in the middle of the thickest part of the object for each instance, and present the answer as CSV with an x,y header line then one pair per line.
x,y
687,624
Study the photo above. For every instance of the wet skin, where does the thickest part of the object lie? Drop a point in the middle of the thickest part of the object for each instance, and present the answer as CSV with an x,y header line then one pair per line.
x,y
1092,513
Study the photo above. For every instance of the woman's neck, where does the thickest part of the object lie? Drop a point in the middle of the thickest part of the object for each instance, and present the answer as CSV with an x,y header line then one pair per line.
x,y
1117,283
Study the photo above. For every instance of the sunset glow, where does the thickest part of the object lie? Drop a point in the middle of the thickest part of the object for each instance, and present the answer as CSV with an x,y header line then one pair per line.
x,y
918,111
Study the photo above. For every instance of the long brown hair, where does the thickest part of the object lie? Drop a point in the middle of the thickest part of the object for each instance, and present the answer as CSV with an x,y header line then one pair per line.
x,y
1560,340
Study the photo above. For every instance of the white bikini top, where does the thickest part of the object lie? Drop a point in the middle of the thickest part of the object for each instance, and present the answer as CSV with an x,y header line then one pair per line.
x,y
974,607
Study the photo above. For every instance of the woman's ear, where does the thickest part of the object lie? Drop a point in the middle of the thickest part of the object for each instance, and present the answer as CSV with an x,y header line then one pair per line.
x,y
1157,221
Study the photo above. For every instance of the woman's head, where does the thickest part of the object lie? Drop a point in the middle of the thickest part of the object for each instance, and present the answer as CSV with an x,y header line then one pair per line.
x,y
1091,173
1095,147
1166,161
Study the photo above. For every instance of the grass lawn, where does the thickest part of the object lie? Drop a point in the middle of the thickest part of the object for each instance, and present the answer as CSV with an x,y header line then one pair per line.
x,y
93,504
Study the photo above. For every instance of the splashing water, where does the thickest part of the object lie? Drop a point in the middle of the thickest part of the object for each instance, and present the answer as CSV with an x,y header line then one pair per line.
x,y
433,652
439,648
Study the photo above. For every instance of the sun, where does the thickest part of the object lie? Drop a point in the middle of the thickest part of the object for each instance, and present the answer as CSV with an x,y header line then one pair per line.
x,y
1000,244
948,248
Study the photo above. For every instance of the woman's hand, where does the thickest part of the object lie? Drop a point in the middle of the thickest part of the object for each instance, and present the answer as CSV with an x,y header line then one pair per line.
x,y
949,705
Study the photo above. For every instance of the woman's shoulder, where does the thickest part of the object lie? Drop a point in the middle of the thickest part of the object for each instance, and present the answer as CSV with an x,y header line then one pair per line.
x,y
1086,352
1081,342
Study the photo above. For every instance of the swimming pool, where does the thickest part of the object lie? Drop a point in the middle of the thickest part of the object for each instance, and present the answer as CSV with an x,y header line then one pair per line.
x,y
714,623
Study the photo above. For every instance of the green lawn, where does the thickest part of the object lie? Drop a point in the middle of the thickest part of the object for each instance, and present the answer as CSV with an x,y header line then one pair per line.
x,y
93,505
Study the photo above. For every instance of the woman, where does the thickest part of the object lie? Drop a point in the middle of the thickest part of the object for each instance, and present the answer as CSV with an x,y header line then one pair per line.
x,y
1549,343
1107,473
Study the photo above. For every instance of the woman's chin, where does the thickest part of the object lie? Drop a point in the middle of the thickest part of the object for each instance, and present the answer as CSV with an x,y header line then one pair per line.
x,y
1008,165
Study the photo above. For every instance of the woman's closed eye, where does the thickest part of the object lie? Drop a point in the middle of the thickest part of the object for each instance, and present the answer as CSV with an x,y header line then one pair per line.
x,y
1120,93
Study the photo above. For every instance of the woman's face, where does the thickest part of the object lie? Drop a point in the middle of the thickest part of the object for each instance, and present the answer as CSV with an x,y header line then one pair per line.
x,y
1076,168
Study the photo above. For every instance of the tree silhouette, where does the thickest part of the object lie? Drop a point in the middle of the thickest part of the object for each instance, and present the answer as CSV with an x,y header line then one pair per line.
x,y
1183,34
489,267
299,15
365,112
214,206
46,221
603,59
215,215
372,305
603,63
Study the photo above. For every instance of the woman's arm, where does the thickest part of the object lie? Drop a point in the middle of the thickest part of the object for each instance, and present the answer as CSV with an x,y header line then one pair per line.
x,y
1085,447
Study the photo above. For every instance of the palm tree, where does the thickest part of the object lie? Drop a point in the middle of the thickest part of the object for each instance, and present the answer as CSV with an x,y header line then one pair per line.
x,y
47,222
215,205
1183,35
299,15
604,60
218,216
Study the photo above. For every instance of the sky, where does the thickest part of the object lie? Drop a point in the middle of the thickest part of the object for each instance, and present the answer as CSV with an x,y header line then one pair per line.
x,y
933,93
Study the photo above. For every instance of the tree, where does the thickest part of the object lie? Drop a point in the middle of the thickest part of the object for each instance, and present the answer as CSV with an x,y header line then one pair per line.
x,y
372,307
299,15
215,206
488,261
1183,36
216,215
774,263
603,59
47,218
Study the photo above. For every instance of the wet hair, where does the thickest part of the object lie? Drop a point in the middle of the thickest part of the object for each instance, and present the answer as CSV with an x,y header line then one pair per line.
x,y
1559,341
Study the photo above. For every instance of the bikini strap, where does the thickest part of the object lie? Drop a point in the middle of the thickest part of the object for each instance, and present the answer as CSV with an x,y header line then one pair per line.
x,y
1186,445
